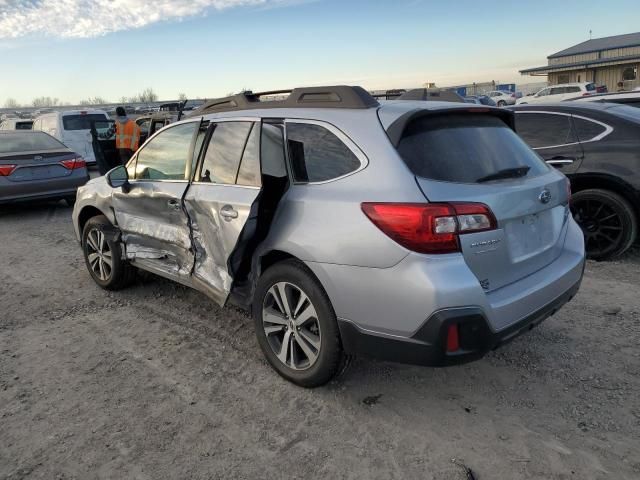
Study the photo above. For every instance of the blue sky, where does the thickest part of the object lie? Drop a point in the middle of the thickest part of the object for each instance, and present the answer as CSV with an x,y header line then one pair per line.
x,y
74,49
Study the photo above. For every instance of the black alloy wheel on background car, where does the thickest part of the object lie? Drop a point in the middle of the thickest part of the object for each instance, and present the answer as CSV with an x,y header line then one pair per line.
x,y
608,221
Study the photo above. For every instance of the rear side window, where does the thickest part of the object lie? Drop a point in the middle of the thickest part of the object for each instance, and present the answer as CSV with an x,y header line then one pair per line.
x,y
24,125
249,171
573,89
224,152
587,130
317,155
464,148
590,87
81,122
545,129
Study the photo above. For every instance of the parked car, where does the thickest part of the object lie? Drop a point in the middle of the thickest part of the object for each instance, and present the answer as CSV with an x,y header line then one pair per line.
x,y
560,92
597,145
480,100
151,123
72,128
35,166
16,124
420,232
503,99
626,98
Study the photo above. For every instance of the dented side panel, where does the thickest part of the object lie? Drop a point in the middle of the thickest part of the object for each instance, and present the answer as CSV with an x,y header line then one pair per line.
x,y
155,228
211,209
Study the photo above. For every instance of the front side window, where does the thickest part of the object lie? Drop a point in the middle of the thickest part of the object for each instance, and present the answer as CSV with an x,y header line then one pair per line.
x,y
318,155
464,148
224,152
165,156
545,129
590,87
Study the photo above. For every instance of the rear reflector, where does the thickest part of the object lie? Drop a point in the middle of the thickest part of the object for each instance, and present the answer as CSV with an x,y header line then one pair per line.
x,y
429,227
74,163
453,339
6,170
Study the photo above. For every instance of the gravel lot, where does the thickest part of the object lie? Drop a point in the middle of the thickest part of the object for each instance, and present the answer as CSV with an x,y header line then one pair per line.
x,y
157,382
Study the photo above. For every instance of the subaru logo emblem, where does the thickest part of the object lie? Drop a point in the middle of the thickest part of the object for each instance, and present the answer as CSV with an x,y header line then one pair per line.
x,y
545,196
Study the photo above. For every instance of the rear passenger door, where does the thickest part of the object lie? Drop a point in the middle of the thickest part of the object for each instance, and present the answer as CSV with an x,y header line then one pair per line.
x,y
226,183
553,136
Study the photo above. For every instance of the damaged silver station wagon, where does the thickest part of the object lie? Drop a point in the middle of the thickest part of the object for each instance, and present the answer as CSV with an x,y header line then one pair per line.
x,y
418,232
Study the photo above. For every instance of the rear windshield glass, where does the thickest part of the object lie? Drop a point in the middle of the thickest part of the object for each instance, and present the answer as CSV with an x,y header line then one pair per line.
x,y
465,148
24,125
81,122
28,142
627,112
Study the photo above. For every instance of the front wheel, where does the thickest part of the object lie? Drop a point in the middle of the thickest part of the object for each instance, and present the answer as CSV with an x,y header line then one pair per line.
x,y
502,103
296,325
103,255
607,220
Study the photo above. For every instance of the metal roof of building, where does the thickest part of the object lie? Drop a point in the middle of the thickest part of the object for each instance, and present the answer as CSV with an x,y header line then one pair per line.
x,y
598,44
585,63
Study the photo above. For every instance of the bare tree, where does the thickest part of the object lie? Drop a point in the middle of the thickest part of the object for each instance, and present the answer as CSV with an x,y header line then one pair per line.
x,y
11,103
94,101
147,96
182,97
41,102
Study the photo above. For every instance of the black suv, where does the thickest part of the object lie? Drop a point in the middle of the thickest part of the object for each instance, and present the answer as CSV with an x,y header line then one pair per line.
x,y
597,145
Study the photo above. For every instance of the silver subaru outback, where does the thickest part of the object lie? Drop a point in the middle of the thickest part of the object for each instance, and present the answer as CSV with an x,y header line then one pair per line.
x,y
418,232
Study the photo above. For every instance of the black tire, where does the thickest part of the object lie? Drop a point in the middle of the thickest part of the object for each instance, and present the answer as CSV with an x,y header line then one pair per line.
x,y
607,220
330,359
121,273
502,103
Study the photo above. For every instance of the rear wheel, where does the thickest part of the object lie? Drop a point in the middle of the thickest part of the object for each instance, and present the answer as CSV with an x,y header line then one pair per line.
x,y
296,325
607,220
103,255
502,103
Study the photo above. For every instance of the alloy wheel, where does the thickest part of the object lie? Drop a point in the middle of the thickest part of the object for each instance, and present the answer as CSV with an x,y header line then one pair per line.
x,y
99,254
601,224
291,325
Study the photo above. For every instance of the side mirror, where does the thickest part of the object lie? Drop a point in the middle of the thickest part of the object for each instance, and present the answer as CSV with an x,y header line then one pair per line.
x,y
118,177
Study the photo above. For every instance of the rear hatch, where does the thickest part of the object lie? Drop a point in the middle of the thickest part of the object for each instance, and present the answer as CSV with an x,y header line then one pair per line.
x,y
475,156
76,132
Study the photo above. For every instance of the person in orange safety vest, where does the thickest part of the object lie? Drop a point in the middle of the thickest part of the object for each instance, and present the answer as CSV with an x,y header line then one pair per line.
x,y
127,134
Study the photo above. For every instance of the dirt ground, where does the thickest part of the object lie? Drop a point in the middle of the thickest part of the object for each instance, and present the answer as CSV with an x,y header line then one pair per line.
x,y
157,382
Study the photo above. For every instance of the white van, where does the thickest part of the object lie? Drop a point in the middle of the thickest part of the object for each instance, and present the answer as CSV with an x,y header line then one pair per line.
x,y
72,128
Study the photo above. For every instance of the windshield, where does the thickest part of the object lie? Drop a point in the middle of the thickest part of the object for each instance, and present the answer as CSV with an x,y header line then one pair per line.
x,y
28,142
465,148
81,122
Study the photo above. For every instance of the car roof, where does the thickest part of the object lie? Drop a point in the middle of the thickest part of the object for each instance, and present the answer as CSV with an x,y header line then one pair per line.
x,y
578,106
21,132
613,95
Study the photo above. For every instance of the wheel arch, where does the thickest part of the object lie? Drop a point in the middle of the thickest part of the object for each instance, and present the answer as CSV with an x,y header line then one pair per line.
x,y
587,181
88,212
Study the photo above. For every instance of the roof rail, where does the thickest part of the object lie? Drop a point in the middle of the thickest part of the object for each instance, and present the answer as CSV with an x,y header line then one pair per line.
x,y
338,96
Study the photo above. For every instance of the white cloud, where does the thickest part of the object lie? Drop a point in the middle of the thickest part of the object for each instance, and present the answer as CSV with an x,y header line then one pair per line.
x,y
92,18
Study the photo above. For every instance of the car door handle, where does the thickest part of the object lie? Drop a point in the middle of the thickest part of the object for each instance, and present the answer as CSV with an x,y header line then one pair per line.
x,y
228,213
174,204
561,160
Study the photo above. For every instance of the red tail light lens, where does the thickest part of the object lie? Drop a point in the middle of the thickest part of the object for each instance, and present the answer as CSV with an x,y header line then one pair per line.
x,y
431,227
6,170
453,339
74,163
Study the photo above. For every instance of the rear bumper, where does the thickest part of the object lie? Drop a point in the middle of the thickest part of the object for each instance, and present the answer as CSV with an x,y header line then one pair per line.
x,y
428,345
42,189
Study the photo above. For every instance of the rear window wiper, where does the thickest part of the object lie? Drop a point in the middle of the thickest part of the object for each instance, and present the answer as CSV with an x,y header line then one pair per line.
x,y
514,172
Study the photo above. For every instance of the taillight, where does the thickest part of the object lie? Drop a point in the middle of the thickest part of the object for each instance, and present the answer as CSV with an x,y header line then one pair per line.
x,y
74,163
6,170
429,227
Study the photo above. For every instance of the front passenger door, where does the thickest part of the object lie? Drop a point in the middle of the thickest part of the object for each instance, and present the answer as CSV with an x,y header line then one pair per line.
x,y
155,227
